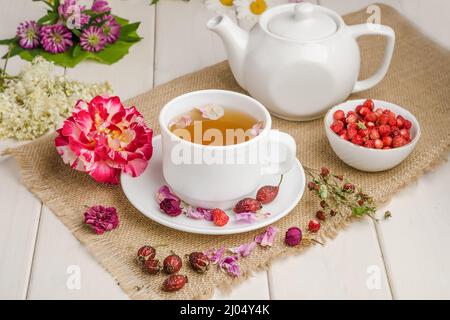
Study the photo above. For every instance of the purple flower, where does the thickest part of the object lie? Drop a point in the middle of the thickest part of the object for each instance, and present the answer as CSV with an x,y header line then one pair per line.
x,y
165,193
207,215
56,38
248,217
72,13
100,6
28,33
93,39
214,255
267,237
171,207
245,249
101,219
230,265
110,27
293,236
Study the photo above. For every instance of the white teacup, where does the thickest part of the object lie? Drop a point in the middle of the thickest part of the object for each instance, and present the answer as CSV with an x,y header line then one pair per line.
x,y
219,176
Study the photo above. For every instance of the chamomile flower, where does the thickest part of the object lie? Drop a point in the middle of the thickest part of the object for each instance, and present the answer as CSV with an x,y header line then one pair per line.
x,y
221,6
251,9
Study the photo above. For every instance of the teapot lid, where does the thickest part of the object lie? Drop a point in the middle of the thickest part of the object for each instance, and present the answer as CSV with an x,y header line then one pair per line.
x,y
302,22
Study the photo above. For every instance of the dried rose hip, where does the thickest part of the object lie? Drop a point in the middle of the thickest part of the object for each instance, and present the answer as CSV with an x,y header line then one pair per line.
x,y
146,253
313,225
220,218
372,127
152,266
174,282
267,194
247,205
199,261
320,215
172,264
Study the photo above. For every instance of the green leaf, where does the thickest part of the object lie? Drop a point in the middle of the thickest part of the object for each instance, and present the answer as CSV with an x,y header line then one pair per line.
x,y
8,41
323,191
76,32
56,5
129,28
50,17
76,51
361,125
360,211
14,50
154,2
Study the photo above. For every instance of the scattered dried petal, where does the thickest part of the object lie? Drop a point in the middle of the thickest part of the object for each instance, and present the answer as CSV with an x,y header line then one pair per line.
x,y
245,249
248,217
211,111
267,237
230,265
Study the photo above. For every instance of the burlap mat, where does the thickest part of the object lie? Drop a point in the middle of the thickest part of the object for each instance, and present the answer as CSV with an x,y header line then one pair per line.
x,y
418,79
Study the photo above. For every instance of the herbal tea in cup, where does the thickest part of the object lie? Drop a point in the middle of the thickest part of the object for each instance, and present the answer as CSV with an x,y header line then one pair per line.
x,y
215,125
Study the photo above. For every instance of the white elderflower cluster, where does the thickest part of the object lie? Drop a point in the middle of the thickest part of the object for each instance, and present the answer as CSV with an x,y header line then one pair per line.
x,y
37,102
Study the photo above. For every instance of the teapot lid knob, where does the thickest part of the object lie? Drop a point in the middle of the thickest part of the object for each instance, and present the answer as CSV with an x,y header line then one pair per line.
x,y
303,11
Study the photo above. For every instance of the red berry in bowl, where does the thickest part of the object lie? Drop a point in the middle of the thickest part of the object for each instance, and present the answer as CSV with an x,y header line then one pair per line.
x,y
369,104
372,117
378,144
220,218
337,126
407,124
383,119
387,141
392,122
351,118
313,225
358,108
374,134
404,133
398,141
339,115
384,130
343,134
364,111
369,144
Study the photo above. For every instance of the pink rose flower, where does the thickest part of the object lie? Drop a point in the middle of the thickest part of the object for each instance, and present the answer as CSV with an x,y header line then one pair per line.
x,y
103,138
293,236
171,207
101,219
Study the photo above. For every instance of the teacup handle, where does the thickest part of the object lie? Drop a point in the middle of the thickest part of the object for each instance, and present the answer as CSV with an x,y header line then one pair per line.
x,y
285,141
375,29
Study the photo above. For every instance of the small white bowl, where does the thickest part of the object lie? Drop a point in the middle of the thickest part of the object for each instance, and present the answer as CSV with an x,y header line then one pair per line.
x,y
367,159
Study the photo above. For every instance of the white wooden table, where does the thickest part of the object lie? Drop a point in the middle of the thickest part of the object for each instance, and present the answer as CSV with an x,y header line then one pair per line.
x,y
407,257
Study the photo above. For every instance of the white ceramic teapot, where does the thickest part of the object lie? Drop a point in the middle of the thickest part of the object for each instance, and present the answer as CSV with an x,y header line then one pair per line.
x,y
300,59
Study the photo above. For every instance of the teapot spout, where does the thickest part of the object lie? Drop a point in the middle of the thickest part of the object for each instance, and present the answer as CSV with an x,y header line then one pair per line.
x,y
235,40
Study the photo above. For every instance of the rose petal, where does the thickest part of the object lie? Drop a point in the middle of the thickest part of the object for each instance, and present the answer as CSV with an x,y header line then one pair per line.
x,y
267,237
230,265
245,249
248,217
181,121
257,128
165,193
211,111
214,255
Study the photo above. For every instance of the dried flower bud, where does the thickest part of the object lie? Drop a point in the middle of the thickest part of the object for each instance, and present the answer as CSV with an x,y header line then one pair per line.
x,y
324,171
293,236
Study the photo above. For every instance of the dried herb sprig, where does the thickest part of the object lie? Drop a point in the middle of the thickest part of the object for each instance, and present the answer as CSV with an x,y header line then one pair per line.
x,y
340,196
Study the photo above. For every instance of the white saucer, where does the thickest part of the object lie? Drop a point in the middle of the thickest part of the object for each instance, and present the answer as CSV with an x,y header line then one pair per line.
x,y
141,191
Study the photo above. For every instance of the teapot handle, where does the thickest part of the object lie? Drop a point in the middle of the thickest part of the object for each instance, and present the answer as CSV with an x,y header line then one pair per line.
x,y
374,29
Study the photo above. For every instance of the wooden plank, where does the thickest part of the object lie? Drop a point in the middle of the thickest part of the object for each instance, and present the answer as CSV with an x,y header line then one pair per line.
x,y
19,213
348,267
415,240
130,76
19,209
183,45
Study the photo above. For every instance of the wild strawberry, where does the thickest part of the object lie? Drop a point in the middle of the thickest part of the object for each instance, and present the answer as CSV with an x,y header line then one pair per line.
x,y
379,112
374,134
174,282
339,115
343,134
407,124
398,141
389,113
320,215
323,204
383,119
361,202
248,205
369,104
220,218
386,148
387,141
352,125
364,111
350,188
313,225
152,266
337,126
395,131
370,125
146,253
267,194
363,132
372,117
351,133
404,133
351,118
358,140
358,108
400,122
378,144
172,264
369,144
392,122
199,261
384,130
